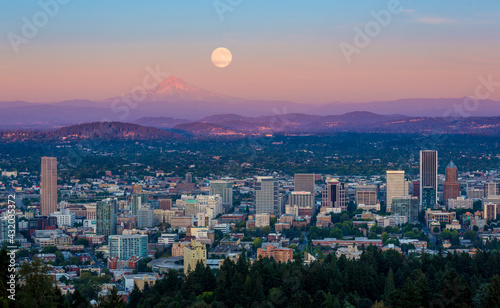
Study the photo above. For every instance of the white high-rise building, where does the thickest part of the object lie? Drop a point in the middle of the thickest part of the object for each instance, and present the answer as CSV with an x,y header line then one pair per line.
x,y
64,218
210,205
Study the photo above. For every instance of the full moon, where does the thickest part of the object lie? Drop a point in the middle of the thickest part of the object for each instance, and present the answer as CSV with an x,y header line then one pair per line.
x,y
221,57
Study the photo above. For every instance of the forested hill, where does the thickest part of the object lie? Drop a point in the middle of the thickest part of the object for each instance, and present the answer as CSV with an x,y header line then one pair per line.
x,y
94,130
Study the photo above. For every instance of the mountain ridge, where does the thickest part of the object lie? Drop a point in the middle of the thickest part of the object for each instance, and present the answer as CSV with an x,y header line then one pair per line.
x,y
175,98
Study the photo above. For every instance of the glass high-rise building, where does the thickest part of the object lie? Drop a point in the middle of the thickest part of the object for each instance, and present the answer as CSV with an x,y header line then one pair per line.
x,y
106,217
428,200
428,174
405,206
136,201
48,186
267,195
224,189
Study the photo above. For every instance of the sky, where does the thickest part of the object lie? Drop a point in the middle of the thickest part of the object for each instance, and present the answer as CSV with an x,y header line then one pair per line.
x,y
281,50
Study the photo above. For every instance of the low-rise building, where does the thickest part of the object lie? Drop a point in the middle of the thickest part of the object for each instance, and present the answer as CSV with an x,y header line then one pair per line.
x,y
281,255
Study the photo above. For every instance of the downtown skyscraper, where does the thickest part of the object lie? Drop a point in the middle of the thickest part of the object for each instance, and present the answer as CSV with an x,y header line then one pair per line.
x,y
333,195
428,178
397,186
106,217
451,186
48,186
304,182
266,195
224,189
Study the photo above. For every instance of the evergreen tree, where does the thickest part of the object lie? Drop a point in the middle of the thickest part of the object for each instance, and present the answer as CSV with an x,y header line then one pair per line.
x,y
111,300
330,301
492,293
454,290
36,291
78,301
135,297
390,288
59,298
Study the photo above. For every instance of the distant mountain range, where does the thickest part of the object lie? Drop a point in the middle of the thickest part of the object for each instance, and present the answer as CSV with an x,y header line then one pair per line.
x,y
238,126
183,103
360,121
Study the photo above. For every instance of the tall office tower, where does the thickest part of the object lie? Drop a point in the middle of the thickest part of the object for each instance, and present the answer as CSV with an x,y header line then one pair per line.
x,y
106,217
127,246
428,176
304,182
490,211
396,186
490,189
282,200
405,206
451,187
137,189
48,186
145,217
224,189
266,195
136,201
366,196
333,196
165,204
188,178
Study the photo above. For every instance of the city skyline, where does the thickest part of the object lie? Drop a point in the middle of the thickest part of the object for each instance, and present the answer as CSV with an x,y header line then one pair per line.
x,y
233,153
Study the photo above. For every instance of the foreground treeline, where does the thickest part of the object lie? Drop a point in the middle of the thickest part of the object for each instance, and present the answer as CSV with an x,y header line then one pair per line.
x,y
377,279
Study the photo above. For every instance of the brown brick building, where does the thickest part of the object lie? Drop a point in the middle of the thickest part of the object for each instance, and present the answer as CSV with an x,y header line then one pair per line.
x,y
281,255
451,187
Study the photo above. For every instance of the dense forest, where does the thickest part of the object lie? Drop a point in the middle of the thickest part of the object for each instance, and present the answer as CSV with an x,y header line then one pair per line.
x,y
377,279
